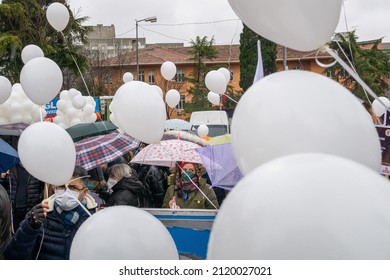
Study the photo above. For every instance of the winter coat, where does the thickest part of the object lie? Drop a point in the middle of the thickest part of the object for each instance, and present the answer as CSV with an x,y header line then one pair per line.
x,y
128,191
57,236
155,185
196,200
34,188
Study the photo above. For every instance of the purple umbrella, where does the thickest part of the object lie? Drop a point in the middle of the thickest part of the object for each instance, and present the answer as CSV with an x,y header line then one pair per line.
x,y
220,165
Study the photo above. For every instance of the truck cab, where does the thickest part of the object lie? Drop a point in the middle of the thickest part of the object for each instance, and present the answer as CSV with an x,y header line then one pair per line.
x,y
217,122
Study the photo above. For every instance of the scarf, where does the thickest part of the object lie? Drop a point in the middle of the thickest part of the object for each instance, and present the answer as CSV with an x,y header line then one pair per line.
x,y
71,217
185,188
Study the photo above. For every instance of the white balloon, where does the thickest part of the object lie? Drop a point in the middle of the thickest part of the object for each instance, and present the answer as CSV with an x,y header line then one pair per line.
x,y
113,119
168,70
203,130
302,25
58,16
90,118
27,119
378,108
75,121
306,207
226,73
41,80
132,100
4,120
47,152
111,106
31,51
292,112
215,82
128,77
5,89
214,98
159,90
172,98
16,118
64,95
149,238
88,109
91,101
62,126
62,105
79,102
72,93
59,119
71,113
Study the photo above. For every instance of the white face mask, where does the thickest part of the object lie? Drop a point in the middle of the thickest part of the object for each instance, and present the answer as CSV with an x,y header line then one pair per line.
x,y
67,199
111,182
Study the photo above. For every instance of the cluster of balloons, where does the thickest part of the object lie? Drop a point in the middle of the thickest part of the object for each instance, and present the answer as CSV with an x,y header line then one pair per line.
x,y
309,151
18,107
73,108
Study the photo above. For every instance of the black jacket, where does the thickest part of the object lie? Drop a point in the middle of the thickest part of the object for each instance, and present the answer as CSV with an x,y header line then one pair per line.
x,y
128,191
34,188
57,236
156,186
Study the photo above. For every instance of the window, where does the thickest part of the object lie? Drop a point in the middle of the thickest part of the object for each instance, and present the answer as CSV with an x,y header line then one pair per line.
x,y
107,78
141,76
179,76
296,68
151,77
231,74
180,106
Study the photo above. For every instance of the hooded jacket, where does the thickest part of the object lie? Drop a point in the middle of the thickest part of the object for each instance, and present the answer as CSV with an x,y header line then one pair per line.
x,y
57,236
128,191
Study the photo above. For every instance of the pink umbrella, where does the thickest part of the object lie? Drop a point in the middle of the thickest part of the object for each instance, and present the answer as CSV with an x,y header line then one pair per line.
x,y
167,152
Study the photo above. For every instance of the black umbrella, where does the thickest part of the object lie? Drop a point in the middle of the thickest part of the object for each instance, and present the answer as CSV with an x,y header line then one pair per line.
x,y
84,130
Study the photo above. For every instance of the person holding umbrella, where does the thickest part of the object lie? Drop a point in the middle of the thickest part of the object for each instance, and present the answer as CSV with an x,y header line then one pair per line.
x,y
190,191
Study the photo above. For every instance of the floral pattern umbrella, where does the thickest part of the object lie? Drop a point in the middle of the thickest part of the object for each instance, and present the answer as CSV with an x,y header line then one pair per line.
x,y
167,152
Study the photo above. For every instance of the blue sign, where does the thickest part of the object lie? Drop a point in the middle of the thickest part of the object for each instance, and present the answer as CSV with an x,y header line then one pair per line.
x,y
51,107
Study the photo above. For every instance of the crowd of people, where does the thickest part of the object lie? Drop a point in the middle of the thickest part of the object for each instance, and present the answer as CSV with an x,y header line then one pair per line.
x,y
39,221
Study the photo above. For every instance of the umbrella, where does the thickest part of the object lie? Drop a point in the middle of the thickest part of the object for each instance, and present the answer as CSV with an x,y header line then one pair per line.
x,y
177,124
184,135
84,130
221,165
14,129
96,150
8,156
167,152
223,139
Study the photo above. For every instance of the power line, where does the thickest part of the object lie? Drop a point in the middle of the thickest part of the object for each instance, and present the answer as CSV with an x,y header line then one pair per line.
x,y
125,32
180,39
192,23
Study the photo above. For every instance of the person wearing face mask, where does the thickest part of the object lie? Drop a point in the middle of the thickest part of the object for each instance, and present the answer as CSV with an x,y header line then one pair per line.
x,y
190,191
124,187
48,230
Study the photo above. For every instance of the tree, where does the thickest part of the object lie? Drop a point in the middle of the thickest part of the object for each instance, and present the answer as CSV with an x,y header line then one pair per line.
x,y
24,22
201,49
371,64
248,56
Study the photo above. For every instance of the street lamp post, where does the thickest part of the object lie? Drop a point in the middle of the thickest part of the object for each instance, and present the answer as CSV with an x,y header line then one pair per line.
x,y
149,19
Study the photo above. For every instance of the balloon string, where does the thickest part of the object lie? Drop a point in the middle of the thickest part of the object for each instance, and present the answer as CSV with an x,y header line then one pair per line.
x,y
78,68
355,76
230,98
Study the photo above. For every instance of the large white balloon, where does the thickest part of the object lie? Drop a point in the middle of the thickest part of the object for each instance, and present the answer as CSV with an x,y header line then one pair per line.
x,y
47,152
203,130
79,102
41,80
31,51
136,99
303,25
128,77
129,233
168,70
305,207
5,89
172,98
226,73
58,16
214,98
294,112
215,81
159,90
377,108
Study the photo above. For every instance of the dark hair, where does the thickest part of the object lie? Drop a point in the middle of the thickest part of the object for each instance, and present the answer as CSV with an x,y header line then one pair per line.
x,y
80,171
5,219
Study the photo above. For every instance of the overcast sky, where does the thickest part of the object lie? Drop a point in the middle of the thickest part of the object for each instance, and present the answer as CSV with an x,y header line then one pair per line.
x,y
180,21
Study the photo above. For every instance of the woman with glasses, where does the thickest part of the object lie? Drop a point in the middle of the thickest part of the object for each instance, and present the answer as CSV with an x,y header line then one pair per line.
x,y
48,230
